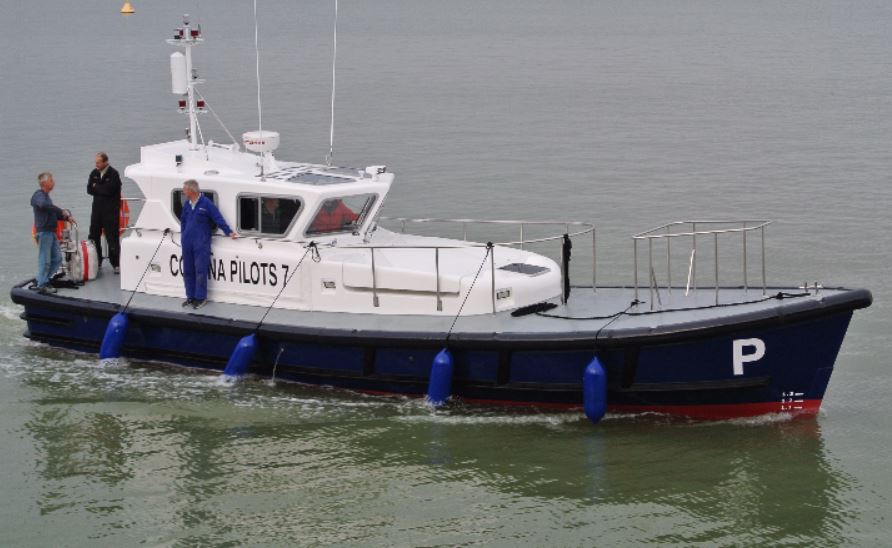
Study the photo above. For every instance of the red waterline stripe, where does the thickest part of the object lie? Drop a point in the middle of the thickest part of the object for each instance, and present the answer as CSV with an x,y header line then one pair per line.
x,y
725,411
703,411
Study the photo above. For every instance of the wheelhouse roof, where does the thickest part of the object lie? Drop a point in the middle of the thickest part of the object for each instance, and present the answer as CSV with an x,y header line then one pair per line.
x,y
228,162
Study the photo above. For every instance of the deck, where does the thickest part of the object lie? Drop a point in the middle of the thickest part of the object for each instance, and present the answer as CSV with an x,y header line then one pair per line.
x,y
606,314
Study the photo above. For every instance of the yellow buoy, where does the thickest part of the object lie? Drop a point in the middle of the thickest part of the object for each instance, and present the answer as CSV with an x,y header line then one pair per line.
x,y
127,9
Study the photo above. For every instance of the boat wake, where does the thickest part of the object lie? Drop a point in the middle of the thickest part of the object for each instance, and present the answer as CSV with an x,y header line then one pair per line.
x,y
67,372
548,419
760,420
11,313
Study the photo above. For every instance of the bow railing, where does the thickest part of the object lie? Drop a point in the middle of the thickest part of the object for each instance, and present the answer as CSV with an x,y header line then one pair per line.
x,y
695,231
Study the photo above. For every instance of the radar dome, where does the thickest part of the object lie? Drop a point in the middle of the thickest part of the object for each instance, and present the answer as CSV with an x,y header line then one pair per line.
x,y
261,141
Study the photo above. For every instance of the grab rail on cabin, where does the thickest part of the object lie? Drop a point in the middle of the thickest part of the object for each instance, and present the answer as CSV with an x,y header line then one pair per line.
x,y
579,229
694,229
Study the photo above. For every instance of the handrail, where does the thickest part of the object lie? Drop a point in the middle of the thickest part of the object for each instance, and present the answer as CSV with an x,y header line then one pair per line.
x,y
664,232
436,249
585,228
481,221
650,233
589,227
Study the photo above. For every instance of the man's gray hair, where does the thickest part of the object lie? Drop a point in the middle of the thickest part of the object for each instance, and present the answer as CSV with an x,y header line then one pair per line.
x,y
102,155
192,185
44,177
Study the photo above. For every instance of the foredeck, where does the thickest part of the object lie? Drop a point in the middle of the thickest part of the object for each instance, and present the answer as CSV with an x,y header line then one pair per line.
x,y
606,314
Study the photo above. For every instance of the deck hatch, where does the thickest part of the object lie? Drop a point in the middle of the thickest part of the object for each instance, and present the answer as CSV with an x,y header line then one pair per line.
x,y
524,268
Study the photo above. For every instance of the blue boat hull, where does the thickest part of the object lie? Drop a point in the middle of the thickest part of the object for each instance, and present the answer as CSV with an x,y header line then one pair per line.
x,y
699,372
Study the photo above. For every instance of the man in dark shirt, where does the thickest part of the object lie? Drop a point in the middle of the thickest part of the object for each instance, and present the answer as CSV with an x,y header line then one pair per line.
x,y
104,185
198,222
46,215
271,219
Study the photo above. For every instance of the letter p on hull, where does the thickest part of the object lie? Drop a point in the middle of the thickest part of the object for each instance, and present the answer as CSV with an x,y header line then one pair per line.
x,y
757,353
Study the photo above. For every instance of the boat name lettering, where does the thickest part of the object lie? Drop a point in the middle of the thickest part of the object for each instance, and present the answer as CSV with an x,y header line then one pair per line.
x,y
238,271
757,353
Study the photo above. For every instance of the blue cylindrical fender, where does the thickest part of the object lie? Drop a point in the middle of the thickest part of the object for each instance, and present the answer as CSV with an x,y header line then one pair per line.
x,y
439,386
241,356
113,340
594,390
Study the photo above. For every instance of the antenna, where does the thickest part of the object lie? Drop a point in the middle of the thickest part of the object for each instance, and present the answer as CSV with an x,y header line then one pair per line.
x,y
259,104
334,61
263,142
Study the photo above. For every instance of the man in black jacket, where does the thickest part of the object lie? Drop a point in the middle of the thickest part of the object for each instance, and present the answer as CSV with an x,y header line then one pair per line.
x,y
104,186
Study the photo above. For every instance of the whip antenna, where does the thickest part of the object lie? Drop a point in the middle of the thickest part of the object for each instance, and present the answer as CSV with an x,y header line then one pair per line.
x,y
259,104
334,61
261,142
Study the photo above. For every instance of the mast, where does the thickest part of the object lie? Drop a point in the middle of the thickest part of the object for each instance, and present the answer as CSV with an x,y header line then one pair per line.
x,y
184,77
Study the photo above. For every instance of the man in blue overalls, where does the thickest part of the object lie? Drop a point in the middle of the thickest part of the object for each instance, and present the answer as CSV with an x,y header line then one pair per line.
x,y
199,220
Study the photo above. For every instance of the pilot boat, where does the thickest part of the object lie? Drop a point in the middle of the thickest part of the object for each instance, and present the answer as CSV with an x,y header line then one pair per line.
x,y
325,293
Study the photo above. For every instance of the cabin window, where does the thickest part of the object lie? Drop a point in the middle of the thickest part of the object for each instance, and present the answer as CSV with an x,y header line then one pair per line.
x,y
270,215
344,214
178,200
